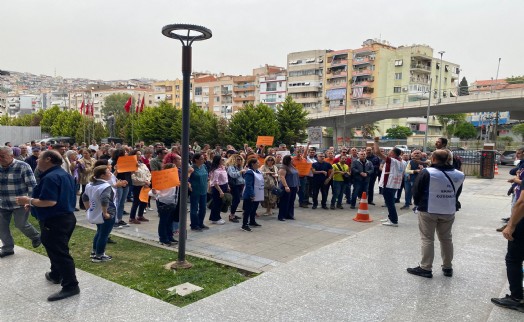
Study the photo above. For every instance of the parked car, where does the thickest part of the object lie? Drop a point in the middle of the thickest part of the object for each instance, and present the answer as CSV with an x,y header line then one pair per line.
x,y
468,156
508,158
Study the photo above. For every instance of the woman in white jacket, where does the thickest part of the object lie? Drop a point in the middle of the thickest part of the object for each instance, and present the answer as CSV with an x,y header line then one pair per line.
x,y
140,178
99,200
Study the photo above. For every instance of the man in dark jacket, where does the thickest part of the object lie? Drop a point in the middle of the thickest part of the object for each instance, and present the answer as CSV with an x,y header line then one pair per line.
x,y
435,193
373,177
361,171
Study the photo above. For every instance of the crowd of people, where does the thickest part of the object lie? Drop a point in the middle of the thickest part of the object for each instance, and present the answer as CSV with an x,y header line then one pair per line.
x,y
219,179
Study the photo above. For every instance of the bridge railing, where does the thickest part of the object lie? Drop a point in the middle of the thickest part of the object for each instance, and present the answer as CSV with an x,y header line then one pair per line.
x,y
386,103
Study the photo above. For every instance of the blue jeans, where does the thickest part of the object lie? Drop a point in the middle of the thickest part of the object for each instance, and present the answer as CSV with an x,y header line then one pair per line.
x,y
338,192
408,187
236,190
302,192
101,236
121,196
389,199
165,223
197,210
358,188
347,191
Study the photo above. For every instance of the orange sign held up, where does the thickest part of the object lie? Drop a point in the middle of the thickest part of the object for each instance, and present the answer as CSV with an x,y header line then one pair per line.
x,y
303,168
127,163
144,194
165,179
265,140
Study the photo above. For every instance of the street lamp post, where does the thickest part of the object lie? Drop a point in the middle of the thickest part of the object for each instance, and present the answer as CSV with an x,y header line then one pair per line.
x,y
187,35
427,116
440,77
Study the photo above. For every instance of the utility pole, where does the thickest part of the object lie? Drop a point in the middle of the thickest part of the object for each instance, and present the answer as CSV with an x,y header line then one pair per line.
x,y
495,130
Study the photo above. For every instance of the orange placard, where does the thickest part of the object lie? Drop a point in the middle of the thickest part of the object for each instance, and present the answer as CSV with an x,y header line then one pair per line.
x,y
165,179
261,161
303,168
265,140
127,163
144,194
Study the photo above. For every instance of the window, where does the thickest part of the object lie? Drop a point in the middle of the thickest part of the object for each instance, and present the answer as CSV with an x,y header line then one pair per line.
x,y
216,89
198,90
271,87
397,89
217,99
398,62
398,75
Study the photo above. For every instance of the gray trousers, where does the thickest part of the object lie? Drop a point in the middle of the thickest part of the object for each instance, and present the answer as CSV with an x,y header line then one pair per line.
x,y
428,224
20,217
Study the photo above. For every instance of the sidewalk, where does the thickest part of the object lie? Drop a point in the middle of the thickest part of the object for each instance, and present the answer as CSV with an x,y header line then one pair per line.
x,y
357,273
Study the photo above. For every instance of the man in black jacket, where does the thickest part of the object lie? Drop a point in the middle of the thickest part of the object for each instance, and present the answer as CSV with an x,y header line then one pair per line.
x,y
361,171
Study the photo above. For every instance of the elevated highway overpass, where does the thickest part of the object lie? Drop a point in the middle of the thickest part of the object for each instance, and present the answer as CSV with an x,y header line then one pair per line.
x,y
502,101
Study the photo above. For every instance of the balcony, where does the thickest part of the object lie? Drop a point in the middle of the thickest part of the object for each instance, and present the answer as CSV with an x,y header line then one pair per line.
x,y
421,68
361,61
361,84
419,81
337,85
339,62
362,96
337,74
303,100
249,88
243,99
303,89
362,72
223,92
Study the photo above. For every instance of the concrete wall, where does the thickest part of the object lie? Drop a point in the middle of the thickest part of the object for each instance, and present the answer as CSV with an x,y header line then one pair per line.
x,y
19,134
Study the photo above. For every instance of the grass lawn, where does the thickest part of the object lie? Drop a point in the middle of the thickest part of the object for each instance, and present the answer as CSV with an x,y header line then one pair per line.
x,y
139,266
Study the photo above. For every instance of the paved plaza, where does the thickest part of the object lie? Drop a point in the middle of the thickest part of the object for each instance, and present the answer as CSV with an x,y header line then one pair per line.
x,y
323,266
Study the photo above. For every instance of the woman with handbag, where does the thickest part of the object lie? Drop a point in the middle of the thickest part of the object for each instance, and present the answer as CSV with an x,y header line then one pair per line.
x,y
219,186
140,178
252,195
289,182
340,177
235,172
270,172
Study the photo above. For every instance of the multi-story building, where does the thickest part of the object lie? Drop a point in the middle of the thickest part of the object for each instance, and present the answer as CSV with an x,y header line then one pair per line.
x,y
305,77
336,79
270,85
213,93
243,91
172,90
3,104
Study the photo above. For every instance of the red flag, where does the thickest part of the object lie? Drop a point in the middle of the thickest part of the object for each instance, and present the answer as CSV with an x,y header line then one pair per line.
x,y
92,109
127,107
142,104
87,109
82,107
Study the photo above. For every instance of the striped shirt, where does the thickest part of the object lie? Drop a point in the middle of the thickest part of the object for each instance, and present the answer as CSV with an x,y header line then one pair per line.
x,y
15,180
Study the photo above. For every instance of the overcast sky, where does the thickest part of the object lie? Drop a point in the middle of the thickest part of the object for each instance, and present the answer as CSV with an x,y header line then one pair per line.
x,y
117,39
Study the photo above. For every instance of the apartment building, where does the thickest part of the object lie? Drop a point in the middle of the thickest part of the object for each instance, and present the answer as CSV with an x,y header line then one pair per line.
x,y
305,78
270,85
214,93
337,80
244,90
173,91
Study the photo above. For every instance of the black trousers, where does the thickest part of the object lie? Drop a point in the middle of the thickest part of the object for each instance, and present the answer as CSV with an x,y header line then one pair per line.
x,y
371,187
55,235
514,260
323,189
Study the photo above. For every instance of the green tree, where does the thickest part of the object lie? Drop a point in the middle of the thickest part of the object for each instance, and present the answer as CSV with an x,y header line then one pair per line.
x,y
465,131
203,126
114,103
399,132
49,118
515,80
449,122
369,130
66,124
518,130
161,123
250,122
463,87
293,122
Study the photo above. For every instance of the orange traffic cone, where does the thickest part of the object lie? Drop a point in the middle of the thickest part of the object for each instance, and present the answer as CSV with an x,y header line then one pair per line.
x,y
363,212
496,168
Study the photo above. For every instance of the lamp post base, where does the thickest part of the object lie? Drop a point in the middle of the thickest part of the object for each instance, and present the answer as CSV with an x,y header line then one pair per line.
x,y
181,264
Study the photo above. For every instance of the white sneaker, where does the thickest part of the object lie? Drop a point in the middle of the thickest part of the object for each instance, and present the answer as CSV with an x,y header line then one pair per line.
x,y
150,209
389,223
221,222
384,220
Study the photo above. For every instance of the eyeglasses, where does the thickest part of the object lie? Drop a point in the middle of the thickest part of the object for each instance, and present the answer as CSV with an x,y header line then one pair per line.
x,y
270,160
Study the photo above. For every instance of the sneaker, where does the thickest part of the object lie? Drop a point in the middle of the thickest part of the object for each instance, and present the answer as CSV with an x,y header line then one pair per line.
x,y
197,229
103,258
233,219
325,207
389,223
168,244
404,207
150,209
420,272
204,227
123,223
245,228
332,207
509,302
36,242
144,219
92,255
255,225
117,226
218,222
340,207
314,207
447,271
384,220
